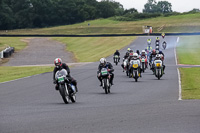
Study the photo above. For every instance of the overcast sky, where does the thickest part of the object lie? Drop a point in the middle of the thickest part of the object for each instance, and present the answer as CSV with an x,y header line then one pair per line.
x,y
177,5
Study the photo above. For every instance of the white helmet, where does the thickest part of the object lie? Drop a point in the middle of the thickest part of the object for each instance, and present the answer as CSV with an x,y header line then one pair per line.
x,y
143,51
135,55
102,60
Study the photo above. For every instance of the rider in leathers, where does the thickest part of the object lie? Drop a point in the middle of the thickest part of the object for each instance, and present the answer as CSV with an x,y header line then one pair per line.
x,y
135,57
126,56
108,65
162,58
159,57
58,66
116,53
153,55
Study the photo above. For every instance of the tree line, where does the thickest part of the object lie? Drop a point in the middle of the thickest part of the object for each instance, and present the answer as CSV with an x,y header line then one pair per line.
x,y
17,14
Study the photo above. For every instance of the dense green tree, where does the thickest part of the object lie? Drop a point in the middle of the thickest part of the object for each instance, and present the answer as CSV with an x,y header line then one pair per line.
x,y
161,7
130,11
6,16
164,7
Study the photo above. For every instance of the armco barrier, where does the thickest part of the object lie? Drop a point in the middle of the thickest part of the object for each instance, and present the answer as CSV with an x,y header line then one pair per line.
x,y
6,53
103,35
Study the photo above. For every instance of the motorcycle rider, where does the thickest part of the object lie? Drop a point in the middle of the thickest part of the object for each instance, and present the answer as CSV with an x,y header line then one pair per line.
x,y
135,57
118,54
159,57
162,58
157,42
128,51
143,54
126,56
163,35
149,48
153,54
108,65
149,42
138,52
58,66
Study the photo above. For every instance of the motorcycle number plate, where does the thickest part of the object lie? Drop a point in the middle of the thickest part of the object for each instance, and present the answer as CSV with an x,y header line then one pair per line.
x,y
104,72
60,79
158,64
135,65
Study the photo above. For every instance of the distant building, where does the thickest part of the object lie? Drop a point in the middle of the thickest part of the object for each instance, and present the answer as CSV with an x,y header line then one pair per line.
x,y
147,29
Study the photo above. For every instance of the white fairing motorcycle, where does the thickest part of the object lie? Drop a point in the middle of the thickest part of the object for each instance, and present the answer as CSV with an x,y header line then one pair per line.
x,y
66,88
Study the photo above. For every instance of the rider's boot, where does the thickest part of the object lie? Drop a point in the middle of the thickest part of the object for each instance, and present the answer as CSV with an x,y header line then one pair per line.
x,y
76,88
101,83
111,82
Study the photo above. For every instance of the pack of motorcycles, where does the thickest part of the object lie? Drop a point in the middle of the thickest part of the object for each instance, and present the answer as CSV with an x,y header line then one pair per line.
x,y
133,69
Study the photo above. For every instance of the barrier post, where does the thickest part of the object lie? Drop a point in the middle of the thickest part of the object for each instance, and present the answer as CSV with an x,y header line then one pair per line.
x,y
1,54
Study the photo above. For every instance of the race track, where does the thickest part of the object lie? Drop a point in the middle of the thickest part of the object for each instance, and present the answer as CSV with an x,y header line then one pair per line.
x,y
32,105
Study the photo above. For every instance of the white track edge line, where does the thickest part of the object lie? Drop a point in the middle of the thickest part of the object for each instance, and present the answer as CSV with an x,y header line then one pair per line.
x,y
179,81
178,71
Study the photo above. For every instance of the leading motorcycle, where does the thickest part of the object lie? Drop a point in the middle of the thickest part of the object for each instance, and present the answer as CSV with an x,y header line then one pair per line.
x,y
105,80
66,88
158,69
134,68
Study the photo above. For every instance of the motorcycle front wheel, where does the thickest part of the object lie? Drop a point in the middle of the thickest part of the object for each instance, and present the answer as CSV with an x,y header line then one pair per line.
x,y
105,85
136,76
64,93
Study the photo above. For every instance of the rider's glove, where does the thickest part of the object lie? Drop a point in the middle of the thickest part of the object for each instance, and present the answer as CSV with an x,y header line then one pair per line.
x,y
54,81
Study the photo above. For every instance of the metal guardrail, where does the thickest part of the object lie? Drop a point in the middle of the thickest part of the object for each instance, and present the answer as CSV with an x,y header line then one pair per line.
x,y
103,35
6,53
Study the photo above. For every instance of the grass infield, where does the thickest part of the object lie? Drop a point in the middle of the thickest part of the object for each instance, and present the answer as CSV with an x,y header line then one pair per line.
x,y
91,49
190,78
8,73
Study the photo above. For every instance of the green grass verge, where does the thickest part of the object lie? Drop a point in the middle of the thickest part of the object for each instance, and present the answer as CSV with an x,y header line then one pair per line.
x,y
178,23
18,43
190,83
90,49
188,50
11,73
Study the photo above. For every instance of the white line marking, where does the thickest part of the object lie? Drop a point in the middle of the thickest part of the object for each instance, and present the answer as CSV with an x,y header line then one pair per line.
x,y
178,40
179,81
179,77
175,52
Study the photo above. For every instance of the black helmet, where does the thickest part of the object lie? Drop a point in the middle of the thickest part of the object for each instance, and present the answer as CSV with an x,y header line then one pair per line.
x,y
138,52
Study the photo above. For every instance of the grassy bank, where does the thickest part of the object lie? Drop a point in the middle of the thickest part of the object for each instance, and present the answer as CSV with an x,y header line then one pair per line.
x,y
18,42
190,83
188,50
92,49
11,73
188,53
178,23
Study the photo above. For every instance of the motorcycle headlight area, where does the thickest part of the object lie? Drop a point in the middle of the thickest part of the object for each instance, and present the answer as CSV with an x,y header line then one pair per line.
x,y
158,64
61,79
135,65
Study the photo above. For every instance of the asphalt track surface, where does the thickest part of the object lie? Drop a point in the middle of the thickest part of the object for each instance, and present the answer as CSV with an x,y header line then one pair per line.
x,y
32,105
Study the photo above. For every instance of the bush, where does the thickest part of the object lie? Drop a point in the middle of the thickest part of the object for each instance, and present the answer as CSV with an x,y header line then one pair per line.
x,y
136,16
